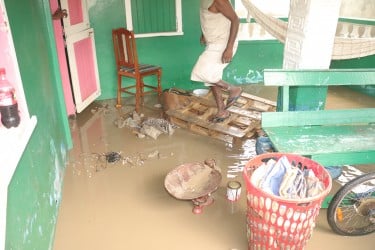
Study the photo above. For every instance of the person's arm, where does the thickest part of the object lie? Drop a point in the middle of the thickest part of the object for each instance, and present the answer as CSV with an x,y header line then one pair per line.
x,y
225,8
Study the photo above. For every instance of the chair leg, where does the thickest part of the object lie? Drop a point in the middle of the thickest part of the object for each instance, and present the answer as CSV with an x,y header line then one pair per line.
x,y
142,90
118,104
159,90
159,82
138,93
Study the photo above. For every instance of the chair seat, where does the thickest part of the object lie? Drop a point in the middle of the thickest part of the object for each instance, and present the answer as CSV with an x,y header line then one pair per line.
x,y
143,68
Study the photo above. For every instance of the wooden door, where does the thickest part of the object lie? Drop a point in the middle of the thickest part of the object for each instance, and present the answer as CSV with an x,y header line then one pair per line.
x,y
80,45
77,19
83,68
63,64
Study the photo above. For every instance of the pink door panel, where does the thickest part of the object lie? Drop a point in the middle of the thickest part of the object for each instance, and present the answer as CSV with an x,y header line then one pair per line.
x,y
83,68
81,53
77,19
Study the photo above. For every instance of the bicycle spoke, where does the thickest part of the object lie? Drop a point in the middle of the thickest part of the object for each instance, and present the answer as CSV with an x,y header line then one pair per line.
x,y
352,210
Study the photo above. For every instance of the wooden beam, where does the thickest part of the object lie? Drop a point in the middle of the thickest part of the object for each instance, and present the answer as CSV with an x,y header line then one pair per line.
x,y
281,77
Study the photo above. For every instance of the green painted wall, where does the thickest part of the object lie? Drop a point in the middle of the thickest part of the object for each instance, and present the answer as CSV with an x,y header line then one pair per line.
x,y
176,54
35,191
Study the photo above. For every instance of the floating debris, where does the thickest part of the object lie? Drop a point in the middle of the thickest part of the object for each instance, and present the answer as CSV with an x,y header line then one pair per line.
x,y
128,121
154,154
163,125
112,157
90,163
150,131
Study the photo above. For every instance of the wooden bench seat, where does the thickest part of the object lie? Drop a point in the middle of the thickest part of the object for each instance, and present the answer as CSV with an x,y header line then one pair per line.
x,y
330,137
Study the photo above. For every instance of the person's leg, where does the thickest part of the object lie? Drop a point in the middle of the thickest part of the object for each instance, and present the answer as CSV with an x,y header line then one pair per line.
x,y
234,92
221,114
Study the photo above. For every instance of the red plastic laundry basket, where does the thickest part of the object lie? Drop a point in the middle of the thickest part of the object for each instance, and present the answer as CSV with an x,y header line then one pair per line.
x,y
277,223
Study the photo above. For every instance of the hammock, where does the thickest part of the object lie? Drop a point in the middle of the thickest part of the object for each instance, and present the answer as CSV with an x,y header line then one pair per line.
x,y
344,47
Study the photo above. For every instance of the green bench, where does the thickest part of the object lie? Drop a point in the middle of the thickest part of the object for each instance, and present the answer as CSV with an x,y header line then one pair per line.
x,y
330,137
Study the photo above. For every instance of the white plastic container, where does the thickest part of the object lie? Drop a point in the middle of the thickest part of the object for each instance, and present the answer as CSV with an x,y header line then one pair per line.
x,y
233,190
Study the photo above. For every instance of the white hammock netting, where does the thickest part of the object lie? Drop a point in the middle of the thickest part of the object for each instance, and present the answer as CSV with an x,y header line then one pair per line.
x,y
344,47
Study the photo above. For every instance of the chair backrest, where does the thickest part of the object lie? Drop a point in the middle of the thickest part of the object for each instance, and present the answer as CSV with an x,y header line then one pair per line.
x,y
125,48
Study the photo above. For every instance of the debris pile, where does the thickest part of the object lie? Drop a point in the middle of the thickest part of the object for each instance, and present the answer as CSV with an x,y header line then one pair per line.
x,y
152,127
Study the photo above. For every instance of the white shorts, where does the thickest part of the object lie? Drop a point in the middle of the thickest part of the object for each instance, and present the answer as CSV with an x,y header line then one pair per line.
x,y
209,67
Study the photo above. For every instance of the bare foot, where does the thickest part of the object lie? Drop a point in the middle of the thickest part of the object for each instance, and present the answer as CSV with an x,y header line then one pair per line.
x,y
221,116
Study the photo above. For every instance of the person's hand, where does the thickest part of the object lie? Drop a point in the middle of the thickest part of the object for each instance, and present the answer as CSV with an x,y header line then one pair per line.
x,y
59,14
227,56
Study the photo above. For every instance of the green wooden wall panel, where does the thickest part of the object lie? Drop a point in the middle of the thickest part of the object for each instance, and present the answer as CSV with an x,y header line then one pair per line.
x,y
35,191
151,16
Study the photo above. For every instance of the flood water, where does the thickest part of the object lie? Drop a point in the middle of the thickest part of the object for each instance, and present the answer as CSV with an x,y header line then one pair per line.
x,y
118,201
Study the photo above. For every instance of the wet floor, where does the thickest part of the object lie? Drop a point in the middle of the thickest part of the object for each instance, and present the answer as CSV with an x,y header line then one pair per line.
x,y
114,195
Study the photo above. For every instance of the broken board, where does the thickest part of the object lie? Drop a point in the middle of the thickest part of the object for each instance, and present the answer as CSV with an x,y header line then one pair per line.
x,y
244,121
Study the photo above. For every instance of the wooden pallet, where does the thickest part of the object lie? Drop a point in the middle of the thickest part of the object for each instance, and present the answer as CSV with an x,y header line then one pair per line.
x,y
244,121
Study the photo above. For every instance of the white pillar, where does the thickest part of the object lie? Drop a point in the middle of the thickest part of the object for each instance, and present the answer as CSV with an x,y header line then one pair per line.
x,y
309,43
310,35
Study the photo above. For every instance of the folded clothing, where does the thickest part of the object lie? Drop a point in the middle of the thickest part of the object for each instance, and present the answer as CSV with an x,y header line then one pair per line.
x,y
282,179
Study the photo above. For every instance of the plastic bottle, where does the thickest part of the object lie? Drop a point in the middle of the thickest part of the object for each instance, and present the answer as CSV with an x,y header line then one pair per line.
x,y
8,104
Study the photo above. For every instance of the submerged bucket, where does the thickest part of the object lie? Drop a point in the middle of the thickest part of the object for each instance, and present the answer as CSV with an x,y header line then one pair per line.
x,y
277,223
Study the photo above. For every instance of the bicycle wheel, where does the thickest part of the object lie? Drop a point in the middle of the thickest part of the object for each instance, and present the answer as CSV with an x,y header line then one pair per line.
x,y
352,209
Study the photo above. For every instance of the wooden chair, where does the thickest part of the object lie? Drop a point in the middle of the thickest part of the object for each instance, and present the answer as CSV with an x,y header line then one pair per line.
x,y
127,65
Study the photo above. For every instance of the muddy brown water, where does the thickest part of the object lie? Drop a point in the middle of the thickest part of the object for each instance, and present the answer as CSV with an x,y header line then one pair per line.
x,y
124,205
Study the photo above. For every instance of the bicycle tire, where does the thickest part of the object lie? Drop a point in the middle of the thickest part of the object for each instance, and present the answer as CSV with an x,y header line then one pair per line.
x,y
334,208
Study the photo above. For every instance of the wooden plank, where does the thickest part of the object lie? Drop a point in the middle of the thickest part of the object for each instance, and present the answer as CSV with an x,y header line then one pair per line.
x,y
331,137
322,117
201,130
345,158
317,140
244,120
220,127
285,100
258,99
252,103
283,77
255,115
212,133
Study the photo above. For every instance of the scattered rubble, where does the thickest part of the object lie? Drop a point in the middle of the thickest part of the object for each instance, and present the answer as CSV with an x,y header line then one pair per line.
x,y
150,131
152,127
90,163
